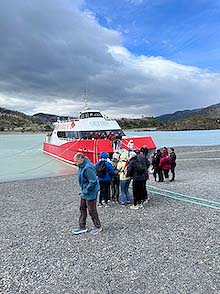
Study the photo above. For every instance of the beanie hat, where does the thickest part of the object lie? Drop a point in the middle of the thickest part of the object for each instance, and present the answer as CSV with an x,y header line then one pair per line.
x,y
104,155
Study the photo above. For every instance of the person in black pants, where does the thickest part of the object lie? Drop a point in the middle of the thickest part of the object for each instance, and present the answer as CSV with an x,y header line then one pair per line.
x,y
173,163
137,171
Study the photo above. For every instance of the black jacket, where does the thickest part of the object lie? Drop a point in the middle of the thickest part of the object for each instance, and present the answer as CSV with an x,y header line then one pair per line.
x,y
132,168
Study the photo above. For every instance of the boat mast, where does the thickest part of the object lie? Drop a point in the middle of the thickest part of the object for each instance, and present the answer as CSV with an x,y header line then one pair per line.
x,y
86,98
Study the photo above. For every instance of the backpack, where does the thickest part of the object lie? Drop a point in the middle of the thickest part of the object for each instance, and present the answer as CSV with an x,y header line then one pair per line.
x,y
140,168
101,169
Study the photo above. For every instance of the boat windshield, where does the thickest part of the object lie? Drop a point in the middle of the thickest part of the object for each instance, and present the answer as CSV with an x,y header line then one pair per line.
x,y
90,114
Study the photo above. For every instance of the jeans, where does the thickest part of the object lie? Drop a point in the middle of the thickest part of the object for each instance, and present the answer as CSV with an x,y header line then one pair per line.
x,y
125,196
115,190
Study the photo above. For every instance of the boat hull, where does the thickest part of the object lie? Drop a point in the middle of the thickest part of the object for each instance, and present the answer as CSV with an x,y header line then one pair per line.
x,y
92,148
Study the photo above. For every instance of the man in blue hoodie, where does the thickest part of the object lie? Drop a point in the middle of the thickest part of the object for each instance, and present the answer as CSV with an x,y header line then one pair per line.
x,y
89,189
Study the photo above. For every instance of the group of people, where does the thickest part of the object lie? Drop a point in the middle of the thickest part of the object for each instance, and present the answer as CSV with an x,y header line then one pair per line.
x,y
111,178
117,175
162,163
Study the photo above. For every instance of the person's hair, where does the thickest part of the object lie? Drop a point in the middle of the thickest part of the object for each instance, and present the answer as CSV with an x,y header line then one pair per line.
x,y
172,148
79,155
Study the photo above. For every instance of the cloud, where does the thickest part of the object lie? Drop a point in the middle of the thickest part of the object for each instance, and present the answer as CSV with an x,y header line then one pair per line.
x,y
50,49
135,2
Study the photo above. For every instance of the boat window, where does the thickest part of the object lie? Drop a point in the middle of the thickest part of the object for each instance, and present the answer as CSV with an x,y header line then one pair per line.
x,y
84,115
95,114
72,135
98,134
61,135
90,114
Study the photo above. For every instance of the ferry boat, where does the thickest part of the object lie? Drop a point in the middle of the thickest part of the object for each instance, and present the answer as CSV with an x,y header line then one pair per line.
x,y
91,134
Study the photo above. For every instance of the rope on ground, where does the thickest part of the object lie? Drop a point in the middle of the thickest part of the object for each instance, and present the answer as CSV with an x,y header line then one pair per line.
x,y
184,197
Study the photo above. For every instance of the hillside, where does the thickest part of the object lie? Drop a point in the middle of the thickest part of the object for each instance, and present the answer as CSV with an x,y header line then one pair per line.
x,y
198,119
17,121
191,123
212,112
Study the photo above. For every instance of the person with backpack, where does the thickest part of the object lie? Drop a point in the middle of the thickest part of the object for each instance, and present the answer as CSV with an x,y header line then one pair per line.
x,y
104,172
137,171
89,189
125,196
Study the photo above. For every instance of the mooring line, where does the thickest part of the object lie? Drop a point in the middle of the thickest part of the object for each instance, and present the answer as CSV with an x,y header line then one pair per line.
x,y
185,200
200,151
199,158
20,152
184,195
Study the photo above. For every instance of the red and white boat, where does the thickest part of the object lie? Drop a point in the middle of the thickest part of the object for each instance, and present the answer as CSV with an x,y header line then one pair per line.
x,y
91,134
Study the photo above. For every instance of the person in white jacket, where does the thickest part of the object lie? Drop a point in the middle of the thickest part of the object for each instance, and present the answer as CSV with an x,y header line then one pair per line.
x,y
130,147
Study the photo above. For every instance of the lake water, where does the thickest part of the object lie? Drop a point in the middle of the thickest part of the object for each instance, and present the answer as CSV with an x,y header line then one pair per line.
x,y
21,156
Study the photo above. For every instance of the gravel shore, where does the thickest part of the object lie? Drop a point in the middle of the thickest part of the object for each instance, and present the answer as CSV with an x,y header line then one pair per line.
x,y
170,246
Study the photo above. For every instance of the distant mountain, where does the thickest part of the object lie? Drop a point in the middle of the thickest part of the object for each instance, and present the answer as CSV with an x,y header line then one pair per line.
x,y
18,121
212,112
49,118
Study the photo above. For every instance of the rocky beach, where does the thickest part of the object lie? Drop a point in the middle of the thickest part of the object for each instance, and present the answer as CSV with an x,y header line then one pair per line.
x,y
170,246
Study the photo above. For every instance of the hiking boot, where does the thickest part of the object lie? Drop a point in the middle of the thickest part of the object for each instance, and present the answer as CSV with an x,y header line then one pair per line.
x,y
95,231
134,207
78,231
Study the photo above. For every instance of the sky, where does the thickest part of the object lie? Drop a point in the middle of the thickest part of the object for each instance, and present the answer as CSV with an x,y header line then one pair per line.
x,y
135,57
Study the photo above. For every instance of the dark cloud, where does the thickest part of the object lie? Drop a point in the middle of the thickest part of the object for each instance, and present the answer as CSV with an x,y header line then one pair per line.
x,y
50,49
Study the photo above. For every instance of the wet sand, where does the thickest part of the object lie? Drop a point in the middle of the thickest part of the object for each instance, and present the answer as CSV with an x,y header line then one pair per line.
x,y
170,246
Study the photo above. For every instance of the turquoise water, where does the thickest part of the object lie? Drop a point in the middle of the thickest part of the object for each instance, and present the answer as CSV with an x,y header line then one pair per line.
x,y
21,156
182,138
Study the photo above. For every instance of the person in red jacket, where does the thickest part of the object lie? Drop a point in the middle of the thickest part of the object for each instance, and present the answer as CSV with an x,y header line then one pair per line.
x,y
165,163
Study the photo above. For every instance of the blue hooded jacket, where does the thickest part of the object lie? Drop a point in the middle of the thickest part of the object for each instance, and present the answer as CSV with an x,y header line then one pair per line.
x,y
109,171
87,180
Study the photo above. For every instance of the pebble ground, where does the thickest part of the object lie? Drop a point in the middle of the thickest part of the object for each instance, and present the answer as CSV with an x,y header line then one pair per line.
x,y
170,246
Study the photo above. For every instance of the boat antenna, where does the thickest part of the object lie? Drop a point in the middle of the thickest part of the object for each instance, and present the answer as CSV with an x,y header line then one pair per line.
x,y
86,98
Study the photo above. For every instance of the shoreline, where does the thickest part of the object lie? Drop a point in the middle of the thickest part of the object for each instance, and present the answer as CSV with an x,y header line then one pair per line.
x,y
178,150
168,239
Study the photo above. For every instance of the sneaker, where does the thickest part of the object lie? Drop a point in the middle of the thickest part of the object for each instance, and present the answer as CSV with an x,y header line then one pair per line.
x,y
109,201
95,231
100,205
134,207
140,205
78,231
